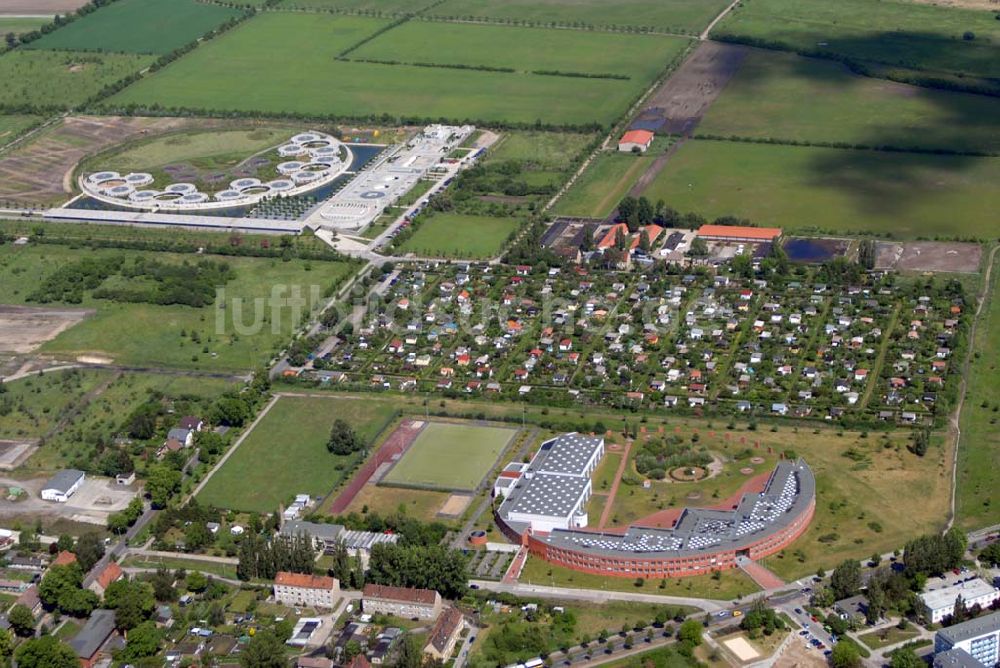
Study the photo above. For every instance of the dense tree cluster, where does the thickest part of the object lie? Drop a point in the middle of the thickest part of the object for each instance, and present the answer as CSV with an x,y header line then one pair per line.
x,y
262,558
62,589
934,554
343,440
132,600
656,457
411,531
426,567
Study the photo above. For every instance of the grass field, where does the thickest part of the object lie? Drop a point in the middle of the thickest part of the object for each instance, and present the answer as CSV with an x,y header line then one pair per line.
x,y
37,403
222,570
460,236
550,150
383,6
978,495
640,57
667,15
286,453
138,26
896,33
606,180
61,78
13,125
450,456
150,334
731,585
234,73
422,504
20,25
833,190
809,99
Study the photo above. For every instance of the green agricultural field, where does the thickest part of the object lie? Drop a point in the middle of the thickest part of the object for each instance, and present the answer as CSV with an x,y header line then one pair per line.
x,y
640,57
606,180
138,26
61,78
688,16
382,6
12,126
785,96
176,335
469,451
978,494
833,190
460,236
233,72
20,25
896,33
31,407
286,453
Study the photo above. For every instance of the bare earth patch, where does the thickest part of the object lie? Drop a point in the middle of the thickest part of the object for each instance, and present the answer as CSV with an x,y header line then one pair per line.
x,y
946,256
455,505
40,7
25,328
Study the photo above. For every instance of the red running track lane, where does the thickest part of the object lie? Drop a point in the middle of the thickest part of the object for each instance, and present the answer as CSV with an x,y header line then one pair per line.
x,y
396,444
609,504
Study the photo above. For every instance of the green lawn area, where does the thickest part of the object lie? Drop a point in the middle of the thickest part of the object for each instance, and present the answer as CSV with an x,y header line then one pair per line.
x,y
286,453
177,335
785,96
901,34
689,16
833,190
234,73
37,403
890,636
978,494
640,57
138,26
19,24
222,570
67,629
470,451
421,504
61,78
606,180
732,584
552,150
13,125
604,477
460,236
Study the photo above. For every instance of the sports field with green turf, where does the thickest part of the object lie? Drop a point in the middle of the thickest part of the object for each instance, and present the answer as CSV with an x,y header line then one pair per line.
x,y
689,16
606,180
907,35
460,236
450,456
233,72
138,26
833,190
640,57
785,96
61,78
286,453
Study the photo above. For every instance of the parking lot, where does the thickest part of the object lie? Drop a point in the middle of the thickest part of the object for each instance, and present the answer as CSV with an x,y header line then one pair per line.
x,y
96,499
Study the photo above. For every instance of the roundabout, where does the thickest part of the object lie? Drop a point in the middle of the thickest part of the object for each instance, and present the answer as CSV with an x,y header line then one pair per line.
x,y
319,160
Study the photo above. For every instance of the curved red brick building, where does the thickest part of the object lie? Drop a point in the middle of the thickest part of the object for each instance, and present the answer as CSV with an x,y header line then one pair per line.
x,y
694,542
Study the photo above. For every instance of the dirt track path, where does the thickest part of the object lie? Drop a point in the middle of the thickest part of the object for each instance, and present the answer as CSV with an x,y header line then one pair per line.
x,y
954,421
704,33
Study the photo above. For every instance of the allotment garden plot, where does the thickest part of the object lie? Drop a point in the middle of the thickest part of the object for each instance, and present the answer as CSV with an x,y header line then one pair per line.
x,y
450,456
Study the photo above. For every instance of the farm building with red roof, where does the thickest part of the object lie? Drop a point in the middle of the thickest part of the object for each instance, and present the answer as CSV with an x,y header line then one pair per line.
x,y
739,233
635,139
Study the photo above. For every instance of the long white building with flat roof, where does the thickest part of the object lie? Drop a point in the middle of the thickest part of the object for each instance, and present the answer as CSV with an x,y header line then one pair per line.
x,y
553,490
939,603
